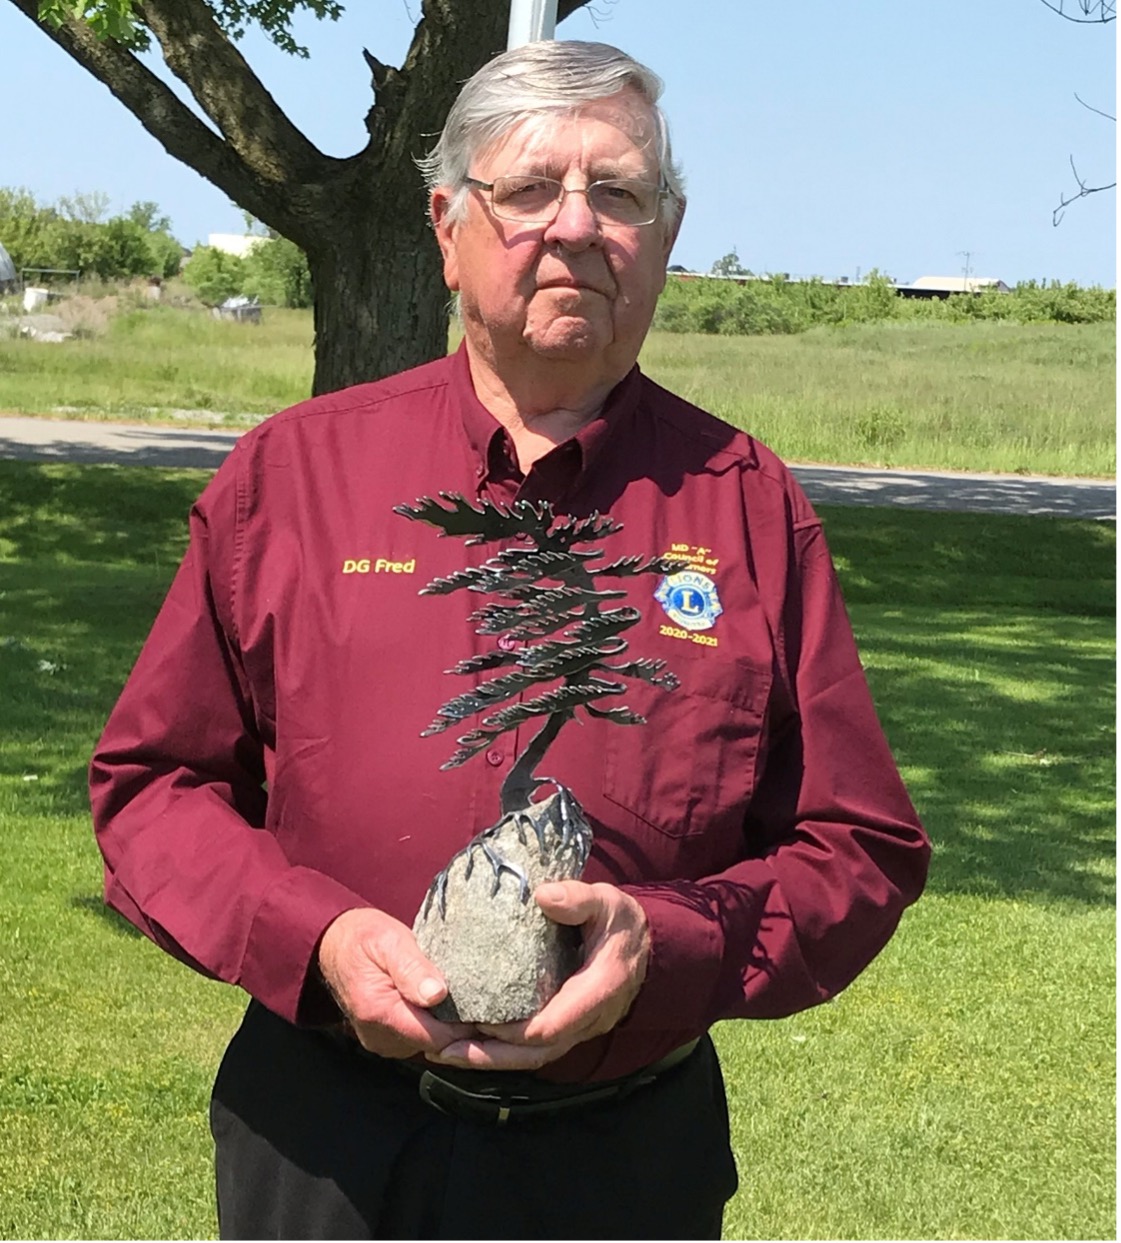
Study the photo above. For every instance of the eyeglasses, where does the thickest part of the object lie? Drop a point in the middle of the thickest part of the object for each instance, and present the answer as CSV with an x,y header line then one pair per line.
x,y
537,200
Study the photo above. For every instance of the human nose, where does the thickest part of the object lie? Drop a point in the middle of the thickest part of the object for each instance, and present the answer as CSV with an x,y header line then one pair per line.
x,y
575,225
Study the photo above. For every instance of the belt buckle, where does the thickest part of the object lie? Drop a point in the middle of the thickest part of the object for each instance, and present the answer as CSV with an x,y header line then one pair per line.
x,y
428,1081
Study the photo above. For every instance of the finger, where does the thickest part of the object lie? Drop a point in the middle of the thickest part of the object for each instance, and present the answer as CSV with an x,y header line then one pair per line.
x,y
407,1029
416,979
496,1055
568,901
510,1033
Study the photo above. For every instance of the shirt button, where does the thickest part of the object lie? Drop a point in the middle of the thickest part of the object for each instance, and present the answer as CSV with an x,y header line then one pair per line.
x,y
494,758
507,644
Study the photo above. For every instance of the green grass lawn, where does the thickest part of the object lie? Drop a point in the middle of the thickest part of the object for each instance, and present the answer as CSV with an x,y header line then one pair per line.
x,y
1036,398
963,1087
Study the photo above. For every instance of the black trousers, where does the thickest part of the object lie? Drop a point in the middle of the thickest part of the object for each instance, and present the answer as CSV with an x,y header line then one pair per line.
x,y
317,1141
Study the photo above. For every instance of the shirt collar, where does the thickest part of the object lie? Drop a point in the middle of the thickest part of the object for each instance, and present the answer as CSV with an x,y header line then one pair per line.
x,y
564,468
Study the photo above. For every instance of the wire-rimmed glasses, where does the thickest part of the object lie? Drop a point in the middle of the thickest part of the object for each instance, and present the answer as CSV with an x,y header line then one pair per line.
x,y
537,200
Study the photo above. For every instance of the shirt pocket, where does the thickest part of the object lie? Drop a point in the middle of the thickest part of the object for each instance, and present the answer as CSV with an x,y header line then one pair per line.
x,y
691,769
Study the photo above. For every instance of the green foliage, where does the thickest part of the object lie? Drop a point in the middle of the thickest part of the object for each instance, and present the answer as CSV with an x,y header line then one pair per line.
x,y
148,216
276,273
729,265
760,305
73,234
214,275
119,19
109,19
164,254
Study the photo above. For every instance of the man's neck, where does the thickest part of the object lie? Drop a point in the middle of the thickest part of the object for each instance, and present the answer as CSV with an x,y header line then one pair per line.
x,y
540,406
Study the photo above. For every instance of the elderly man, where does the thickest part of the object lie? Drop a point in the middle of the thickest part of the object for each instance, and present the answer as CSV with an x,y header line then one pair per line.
x,y
269,814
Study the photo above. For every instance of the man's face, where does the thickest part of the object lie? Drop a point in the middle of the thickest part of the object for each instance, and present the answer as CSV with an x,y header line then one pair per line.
x,y
574,290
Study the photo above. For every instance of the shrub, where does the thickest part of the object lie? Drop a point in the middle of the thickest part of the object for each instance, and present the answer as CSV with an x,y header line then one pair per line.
x,y
276,273
776,305
214,275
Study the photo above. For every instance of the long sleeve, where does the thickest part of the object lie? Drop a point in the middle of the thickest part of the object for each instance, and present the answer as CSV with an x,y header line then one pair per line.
x,y
178,800
835,849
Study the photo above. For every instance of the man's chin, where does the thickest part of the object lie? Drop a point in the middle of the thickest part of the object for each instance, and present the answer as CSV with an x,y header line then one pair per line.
x,y
570,338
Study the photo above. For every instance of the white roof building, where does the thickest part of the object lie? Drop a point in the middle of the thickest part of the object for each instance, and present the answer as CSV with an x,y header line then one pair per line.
x,y
959,284
239,244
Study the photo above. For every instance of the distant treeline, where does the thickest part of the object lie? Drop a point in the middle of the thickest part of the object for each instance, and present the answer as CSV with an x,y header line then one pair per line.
x,y
776,305
75,235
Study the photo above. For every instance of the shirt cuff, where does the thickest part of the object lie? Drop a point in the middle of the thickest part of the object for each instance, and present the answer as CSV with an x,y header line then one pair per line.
x,y
281,968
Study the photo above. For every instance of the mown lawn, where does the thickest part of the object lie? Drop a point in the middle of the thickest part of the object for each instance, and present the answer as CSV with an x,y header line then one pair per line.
x,y
962,1088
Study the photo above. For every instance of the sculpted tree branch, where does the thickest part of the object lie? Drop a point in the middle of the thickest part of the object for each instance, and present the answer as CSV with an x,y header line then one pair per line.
x,y
569,631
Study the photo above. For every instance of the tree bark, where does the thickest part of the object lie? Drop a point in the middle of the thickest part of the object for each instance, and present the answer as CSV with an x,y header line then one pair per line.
x,y
380,301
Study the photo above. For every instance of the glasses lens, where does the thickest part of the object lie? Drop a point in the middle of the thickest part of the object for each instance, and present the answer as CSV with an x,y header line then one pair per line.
x,y
536,200
624,202
532,199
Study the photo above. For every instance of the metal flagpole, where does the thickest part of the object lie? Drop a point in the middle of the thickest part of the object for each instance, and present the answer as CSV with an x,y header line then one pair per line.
x,y
531,20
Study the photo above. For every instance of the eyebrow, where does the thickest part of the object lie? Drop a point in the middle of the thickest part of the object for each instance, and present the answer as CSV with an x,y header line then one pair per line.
x,y
598,172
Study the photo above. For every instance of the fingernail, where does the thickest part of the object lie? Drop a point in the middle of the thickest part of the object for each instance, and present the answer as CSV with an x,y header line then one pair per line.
x,y
430,989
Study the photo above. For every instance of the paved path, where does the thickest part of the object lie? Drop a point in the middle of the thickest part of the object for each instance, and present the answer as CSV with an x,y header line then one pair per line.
x,y
56,440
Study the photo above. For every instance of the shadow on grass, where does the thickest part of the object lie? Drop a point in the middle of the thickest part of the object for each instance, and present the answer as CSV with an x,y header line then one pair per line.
x,y
989,644
95,514
988,640
94,904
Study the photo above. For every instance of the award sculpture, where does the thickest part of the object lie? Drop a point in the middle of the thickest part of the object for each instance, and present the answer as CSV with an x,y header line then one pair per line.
x,y
502,958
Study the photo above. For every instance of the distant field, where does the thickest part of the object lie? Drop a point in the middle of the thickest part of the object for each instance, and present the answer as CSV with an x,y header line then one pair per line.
x,y
1035,398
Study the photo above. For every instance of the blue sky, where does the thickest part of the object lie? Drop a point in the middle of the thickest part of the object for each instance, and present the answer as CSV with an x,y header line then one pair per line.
x,y
819,138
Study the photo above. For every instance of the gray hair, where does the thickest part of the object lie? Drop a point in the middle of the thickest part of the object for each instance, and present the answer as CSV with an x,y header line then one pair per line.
x,y
533,81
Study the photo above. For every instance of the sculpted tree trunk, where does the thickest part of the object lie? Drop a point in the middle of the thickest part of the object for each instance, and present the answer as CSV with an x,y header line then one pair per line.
x,y
380,301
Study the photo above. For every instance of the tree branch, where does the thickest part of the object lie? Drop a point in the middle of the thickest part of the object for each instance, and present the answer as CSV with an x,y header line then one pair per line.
x,y
1083,192
1096,12
1091,108
181,133
206,60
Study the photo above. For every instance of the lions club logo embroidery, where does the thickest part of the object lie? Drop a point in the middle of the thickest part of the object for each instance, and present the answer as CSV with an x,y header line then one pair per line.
x,y
690,599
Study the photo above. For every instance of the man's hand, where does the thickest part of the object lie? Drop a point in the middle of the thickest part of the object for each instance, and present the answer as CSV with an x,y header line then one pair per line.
x,y
589,1003
384,984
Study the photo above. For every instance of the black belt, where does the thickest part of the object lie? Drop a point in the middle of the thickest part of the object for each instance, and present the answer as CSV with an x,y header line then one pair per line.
x,y
496,1098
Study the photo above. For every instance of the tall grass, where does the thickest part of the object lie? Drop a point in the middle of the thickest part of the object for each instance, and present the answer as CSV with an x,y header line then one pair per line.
x,y
165,365
1035,398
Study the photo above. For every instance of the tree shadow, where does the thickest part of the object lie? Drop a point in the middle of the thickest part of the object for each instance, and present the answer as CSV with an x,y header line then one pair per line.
x,y
1030,496
989,646
125,446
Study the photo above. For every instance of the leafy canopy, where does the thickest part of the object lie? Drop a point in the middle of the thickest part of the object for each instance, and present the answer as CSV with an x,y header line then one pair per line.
x,y
118,19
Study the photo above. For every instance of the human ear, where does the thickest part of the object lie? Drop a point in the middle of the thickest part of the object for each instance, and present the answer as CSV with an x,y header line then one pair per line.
x,y
439,203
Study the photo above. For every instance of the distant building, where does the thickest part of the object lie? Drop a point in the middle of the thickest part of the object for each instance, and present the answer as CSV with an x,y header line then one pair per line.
x,y
239,244
943,286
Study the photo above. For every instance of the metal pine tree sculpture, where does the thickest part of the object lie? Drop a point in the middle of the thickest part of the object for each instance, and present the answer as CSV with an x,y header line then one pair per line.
x,y
555,624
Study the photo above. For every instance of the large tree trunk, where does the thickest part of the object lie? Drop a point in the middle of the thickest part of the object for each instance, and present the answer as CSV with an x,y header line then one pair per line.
x,y
380,300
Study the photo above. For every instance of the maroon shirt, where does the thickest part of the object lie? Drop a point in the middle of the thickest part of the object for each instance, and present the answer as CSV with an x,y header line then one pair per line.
x,y
758,817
